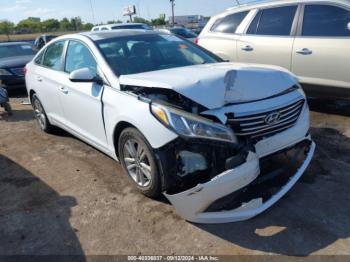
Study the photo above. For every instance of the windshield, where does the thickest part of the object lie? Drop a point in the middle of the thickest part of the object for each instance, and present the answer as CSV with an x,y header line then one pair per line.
x,y
16,50
183,32
144,53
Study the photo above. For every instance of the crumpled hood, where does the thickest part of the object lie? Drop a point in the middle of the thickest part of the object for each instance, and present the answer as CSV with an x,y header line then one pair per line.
x,y
216,85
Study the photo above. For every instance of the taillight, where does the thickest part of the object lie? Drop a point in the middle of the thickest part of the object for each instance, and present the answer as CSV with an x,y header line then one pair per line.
x,y
196,41
25,70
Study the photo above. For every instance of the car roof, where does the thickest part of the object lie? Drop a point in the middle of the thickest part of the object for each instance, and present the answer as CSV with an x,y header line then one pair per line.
x,y
14,43
100,35
120,24
269,3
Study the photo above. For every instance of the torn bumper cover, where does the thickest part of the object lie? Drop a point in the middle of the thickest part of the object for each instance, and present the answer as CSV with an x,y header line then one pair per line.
x,y
247,190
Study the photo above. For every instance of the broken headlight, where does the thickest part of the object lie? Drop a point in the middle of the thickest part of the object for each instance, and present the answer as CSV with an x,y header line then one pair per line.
x,y
190,125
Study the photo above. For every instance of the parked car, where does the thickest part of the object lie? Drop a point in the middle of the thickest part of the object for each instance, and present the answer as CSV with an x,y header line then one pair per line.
x,y
13,58
182,32
121,26
309,38
222,141
42,40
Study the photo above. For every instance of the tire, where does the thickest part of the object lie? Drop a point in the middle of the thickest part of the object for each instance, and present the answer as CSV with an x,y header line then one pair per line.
x,y
8,108
41,116
138,161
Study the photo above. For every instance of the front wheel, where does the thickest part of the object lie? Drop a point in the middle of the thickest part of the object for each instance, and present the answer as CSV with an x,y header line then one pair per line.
x,y
138,161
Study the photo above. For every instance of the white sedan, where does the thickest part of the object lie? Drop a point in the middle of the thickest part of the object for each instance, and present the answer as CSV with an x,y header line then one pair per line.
x,y
222,141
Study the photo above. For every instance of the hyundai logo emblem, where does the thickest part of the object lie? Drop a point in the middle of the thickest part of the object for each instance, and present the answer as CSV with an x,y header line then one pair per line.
x,y
273,118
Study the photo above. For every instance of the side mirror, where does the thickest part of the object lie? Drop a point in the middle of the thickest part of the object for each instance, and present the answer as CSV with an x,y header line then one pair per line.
x,y
85,75
348,26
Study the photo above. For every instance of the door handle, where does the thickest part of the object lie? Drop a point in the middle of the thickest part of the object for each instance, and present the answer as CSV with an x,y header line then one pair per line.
x,y
305,51
248,48
39,79
64,90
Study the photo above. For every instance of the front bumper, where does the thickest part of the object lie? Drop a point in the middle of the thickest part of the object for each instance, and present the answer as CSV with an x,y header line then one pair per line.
x,y
202,203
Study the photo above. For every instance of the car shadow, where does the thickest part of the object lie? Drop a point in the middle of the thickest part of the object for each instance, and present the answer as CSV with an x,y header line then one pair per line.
x,y
330,106
34,218
313,215
17,115
18,93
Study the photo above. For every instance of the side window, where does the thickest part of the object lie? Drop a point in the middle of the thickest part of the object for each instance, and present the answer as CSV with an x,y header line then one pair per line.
x,y
78,57
274,21
324,20
39,59
53,56
104,29
229,24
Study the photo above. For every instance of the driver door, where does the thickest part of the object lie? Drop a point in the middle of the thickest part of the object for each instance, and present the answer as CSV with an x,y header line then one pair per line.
x,y
82,102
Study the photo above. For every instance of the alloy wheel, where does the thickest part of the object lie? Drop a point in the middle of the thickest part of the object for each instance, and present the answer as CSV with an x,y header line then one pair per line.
x,y
39,113
137,163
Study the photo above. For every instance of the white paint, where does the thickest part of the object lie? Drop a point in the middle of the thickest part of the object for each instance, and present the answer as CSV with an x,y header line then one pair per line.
x,y
92,112
212,85
191,204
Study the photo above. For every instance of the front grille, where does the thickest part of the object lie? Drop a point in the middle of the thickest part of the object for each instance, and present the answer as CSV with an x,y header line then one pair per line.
x,y
17,71
259,125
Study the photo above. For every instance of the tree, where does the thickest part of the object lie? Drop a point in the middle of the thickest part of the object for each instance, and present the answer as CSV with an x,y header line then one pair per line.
x,y
76,23
87,26
114,22
137,19
50,25
30,25
65,25
159,21
6,28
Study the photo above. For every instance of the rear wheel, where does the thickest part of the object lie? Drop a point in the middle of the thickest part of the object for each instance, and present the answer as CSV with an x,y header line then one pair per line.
x,y
40,115
139,163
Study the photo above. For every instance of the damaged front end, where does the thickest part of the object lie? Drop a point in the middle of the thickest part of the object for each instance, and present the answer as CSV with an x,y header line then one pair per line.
x,y
243,191
226,166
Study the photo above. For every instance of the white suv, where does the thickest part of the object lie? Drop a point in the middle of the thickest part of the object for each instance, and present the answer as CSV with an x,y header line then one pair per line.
x,y
309,38
222,141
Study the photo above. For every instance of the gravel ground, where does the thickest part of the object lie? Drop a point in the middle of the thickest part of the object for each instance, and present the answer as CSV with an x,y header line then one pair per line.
x,y
61,196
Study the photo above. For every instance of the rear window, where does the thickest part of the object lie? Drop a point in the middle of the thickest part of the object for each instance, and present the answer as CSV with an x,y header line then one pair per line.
x,y
229,24
325,20
53,56
16,50
273,21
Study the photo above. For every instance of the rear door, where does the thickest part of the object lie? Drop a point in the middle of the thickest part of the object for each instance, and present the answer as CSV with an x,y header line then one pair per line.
x,y
321,54
81,102
47,76
222,37
270,36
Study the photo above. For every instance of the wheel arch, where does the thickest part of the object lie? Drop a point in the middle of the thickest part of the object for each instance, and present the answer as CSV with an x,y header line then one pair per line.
x,y
31,93
117,132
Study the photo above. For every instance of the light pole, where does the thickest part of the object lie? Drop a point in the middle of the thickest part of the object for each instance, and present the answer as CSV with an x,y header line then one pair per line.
x,y
173,11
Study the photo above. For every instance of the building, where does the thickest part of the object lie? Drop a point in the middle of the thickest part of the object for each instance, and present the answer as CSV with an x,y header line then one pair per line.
x,y
191,21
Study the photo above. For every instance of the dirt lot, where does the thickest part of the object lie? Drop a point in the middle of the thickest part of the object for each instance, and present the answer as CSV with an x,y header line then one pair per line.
x,y
61,196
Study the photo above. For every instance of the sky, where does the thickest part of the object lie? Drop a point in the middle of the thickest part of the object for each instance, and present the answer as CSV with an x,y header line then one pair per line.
x,y
104,10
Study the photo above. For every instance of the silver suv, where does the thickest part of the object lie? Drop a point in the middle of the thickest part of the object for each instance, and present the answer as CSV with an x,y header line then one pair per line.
x,y
309,38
